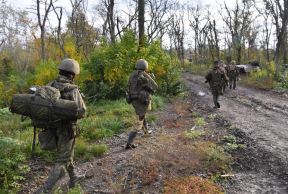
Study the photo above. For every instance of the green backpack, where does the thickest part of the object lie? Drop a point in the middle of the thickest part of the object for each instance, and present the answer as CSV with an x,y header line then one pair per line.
x,y
45,107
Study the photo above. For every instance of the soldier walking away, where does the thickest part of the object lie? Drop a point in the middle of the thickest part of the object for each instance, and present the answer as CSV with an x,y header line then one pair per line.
x,y
140,85
217,78
68,130
232,74
223,67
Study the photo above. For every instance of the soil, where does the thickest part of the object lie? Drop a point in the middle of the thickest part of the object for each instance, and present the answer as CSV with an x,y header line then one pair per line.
x,y
256,117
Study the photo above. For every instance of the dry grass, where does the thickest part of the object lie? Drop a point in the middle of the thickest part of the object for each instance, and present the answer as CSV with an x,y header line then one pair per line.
x,y
190,184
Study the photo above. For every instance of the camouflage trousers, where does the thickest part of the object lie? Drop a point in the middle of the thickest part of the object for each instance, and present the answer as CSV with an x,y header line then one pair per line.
x,y
65,147
216,91
141,110
232,82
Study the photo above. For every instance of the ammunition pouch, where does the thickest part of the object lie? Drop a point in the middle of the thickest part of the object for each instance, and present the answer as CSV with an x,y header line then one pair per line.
x,y
144,96
128,98
47,139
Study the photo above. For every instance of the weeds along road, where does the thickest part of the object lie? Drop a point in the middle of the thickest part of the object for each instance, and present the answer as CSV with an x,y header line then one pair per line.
x,y
262,116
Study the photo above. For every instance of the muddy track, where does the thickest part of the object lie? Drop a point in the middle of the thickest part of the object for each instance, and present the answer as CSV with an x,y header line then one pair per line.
x,y
262,116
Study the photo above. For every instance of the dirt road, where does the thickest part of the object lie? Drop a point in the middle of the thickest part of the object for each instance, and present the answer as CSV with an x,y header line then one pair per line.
x,y
257,118
261,116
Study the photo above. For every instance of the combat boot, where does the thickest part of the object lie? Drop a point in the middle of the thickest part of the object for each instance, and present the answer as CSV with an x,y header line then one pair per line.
x,y
218,101
131,137
215,101
56,174
145,127
74,177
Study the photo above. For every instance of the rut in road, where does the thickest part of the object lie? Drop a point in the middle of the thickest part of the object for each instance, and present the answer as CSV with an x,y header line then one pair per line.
x,y
262,116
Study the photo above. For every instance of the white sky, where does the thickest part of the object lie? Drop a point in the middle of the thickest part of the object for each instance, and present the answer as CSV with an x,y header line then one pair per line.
x,y
118,5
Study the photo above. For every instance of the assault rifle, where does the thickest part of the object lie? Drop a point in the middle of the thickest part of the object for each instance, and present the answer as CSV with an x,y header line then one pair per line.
x,y
124,89
209,78
127,96
151,75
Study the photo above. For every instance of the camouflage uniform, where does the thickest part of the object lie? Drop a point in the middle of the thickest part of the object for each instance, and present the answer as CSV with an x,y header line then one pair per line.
x,y
65,137
219,79
223,67
140,108
69,129
232,74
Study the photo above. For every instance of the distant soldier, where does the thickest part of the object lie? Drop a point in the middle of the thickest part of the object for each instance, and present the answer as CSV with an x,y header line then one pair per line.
x,y
217,79
223,67
233,73
141,85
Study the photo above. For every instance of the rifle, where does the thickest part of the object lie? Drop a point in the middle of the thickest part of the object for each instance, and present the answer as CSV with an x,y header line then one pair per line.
x,y
127,96
124,89
209,78
151,75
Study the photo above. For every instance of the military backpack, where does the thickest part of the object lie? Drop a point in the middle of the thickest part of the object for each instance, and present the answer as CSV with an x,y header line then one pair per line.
x,y
45,107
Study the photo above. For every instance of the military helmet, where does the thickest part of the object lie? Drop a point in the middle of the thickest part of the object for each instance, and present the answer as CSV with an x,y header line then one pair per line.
x,y
233,62
141,64
70,65
216,62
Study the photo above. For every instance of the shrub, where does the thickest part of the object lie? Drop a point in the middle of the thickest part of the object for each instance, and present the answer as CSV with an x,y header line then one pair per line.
x,y
12,164
111,65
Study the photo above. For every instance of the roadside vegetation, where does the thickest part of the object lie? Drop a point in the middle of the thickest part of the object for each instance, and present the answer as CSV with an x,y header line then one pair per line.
x,y
17,137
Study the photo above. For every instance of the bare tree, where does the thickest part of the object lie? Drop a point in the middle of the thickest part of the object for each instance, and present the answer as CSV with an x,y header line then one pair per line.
x,y
84,33
279,12
266,13
237,21
176,32
198,23
42,22
60,40
158,19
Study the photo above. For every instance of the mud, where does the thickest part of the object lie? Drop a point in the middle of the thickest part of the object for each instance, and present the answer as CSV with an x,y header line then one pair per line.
x,y
256,117
260,117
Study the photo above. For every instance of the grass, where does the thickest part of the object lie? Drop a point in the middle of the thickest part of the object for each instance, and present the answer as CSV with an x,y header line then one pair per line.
x,y
194,114
213,116
152,117
191,184
193,134
198,69
200,121
99,149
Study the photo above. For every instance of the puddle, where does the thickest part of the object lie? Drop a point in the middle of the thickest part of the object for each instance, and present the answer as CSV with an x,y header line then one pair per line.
x,y
201,94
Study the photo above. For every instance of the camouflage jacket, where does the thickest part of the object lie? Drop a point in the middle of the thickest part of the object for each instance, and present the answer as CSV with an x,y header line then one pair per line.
x,y
71,93
218,77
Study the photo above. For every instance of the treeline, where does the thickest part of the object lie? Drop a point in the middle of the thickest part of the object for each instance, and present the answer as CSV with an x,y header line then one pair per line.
x,y
110,37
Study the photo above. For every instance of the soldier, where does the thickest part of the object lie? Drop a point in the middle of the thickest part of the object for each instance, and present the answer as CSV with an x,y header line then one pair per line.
x,y
68,130
232,74
141,85
223,67
217,78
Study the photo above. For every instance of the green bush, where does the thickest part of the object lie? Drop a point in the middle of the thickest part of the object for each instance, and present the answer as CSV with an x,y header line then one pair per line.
x,y
12,164
111,65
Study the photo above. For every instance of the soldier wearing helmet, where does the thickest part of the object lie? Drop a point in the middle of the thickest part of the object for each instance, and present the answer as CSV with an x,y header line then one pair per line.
x,y
217,79
223,67
233,73
141,85
68,130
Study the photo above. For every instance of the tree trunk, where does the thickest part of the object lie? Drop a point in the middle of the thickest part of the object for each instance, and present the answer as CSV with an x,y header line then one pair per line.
x,y
141,20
